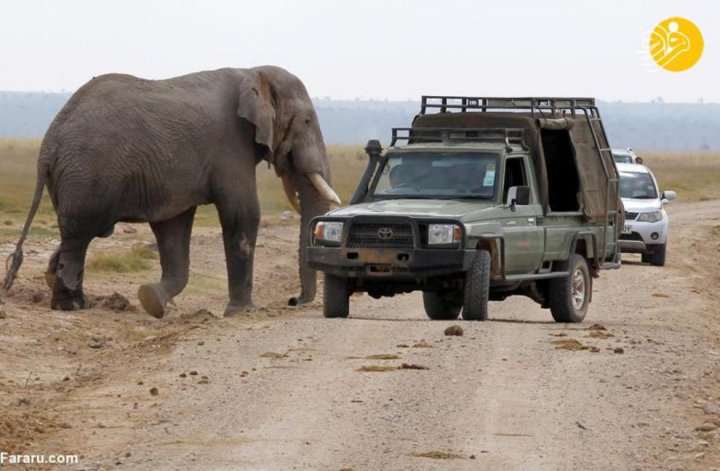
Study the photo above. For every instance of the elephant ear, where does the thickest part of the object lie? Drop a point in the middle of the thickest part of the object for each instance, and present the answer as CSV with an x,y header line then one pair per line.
x,y
256,105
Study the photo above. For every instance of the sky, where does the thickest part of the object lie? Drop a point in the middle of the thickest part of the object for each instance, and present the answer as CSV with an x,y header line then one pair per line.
x,y
368,49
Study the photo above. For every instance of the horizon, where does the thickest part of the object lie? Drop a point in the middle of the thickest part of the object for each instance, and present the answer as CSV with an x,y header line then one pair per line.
x,y
658,100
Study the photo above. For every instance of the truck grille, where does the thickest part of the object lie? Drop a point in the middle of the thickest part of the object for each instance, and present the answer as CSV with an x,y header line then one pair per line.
x,y
392,235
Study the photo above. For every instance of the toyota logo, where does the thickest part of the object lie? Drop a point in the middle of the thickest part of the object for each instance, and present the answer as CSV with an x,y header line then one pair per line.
x,y
385,233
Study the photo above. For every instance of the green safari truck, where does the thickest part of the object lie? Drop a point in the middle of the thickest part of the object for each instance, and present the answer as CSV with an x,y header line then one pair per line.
x,y
482,198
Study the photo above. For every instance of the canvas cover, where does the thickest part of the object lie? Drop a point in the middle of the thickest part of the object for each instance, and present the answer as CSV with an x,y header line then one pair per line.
x,y
593,180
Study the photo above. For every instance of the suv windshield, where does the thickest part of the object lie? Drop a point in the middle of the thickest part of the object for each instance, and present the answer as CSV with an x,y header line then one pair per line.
x,y
437,175
623,159
637,185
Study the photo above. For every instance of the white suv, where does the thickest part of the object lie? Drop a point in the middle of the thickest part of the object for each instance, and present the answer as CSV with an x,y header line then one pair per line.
x,y
626,156
646,222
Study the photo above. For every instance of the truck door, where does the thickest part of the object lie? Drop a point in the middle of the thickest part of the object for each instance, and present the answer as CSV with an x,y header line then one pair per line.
x,y
524,237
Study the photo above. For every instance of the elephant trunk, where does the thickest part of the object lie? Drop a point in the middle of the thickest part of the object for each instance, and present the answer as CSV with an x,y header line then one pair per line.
x,y
312,203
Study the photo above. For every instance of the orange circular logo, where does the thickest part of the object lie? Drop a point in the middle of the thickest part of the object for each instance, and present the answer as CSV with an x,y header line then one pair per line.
x,y
676,44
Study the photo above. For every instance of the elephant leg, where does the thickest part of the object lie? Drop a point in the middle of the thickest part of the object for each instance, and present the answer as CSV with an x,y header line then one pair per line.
x,y
69,272
240,230
173,239
51,272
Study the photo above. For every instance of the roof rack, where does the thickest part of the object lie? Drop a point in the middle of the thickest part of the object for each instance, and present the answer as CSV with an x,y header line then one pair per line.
x,y
537,107
532,105
502,135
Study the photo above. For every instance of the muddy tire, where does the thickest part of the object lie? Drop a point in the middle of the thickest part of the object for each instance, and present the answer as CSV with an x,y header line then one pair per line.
x,y
657,258
569,297
336,297
477,288
438,308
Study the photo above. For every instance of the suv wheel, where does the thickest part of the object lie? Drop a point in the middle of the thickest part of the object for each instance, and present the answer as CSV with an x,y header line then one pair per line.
x,y
569,296
336,297
438,308
477,288
657,258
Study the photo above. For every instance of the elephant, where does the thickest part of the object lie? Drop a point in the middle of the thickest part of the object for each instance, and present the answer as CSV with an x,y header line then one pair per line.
x,y
126,149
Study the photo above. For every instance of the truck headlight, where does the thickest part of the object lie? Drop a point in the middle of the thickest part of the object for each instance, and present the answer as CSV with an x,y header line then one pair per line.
x,y
444,234
653,216
329,231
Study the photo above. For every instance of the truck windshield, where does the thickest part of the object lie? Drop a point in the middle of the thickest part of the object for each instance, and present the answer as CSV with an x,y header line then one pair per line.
x,y
637,185
437,175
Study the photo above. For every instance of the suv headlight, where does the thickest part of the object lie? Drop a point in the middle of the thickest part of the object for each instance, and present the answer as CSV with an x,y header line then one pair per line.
x,y
653,216
444,234
329,231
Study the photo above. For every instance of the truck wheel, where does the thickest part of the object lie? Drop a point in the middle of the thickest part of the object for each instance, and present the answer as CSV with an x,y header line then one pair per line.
x,y
439,309
336,299
657,258
477,288
569,296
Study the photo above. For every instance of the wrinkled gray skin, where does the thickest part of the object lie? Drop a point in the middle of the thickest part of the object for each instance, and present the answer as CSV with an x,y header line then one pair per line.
x,y
134,150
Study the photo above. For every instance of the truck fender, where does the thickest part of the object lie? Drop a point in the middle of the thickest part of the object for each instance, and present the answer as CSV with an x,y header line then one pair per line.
x,y
584,243
496,246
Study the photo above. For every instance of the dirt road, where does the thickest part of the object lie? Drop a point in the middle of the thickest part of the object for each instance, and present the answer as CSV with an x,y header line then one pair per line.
x,y
282,388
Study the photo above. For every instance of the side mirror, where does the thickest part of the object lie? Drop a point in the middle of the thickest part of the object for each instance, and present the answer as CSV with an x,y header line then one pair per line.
x,y
518,196
668,195
638,160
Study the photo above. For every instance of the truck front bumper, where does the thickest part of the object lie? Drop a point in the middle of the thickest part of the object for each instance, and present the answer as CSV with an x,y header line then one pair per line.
x,y
401,264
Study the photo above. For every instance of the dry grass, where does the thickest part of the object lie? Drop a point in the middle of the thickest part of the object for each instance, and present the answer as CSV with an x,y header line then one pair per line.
x,y
18,157
137,259
692,174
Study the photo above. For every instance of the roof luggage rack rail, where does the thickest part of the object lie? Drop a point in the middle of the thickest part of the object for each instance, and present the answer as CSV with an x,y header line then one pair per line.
x,y
502,135
537,107
532,105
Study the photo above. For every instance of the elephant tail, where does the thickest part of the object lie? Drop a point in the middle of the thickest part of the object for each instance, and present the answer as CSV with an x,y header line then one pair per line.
x,y
15,259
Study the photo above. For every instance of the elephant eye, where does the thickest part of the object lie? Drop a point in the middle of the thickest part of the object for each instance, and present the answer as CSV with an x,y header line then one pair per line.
x,y
307,120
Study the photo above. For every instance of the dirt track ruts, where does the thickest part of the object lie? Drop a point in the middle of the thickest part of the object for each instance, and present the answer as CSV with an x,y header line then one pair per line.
x,y
280,388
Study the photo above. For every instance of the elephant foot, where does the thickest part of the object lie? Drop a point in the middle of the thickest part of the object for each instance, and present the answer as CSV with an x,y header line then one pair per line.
x,y
152,300
69,303
233,310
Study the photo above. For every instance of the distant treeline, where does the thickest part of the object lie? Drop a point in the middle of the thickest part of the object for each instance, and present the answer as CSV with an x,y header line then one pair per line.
x,y
654,125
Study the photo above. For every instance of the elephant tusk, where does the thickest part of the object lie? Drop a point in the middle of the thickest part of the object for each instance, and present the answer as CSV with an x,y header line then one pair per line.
x,y
324,189
291,193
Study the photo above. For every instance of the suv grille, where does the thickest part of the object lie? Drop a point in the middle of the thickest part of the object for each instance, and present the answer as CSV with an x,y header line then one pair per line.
x,y
631,216
394,235
631,236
